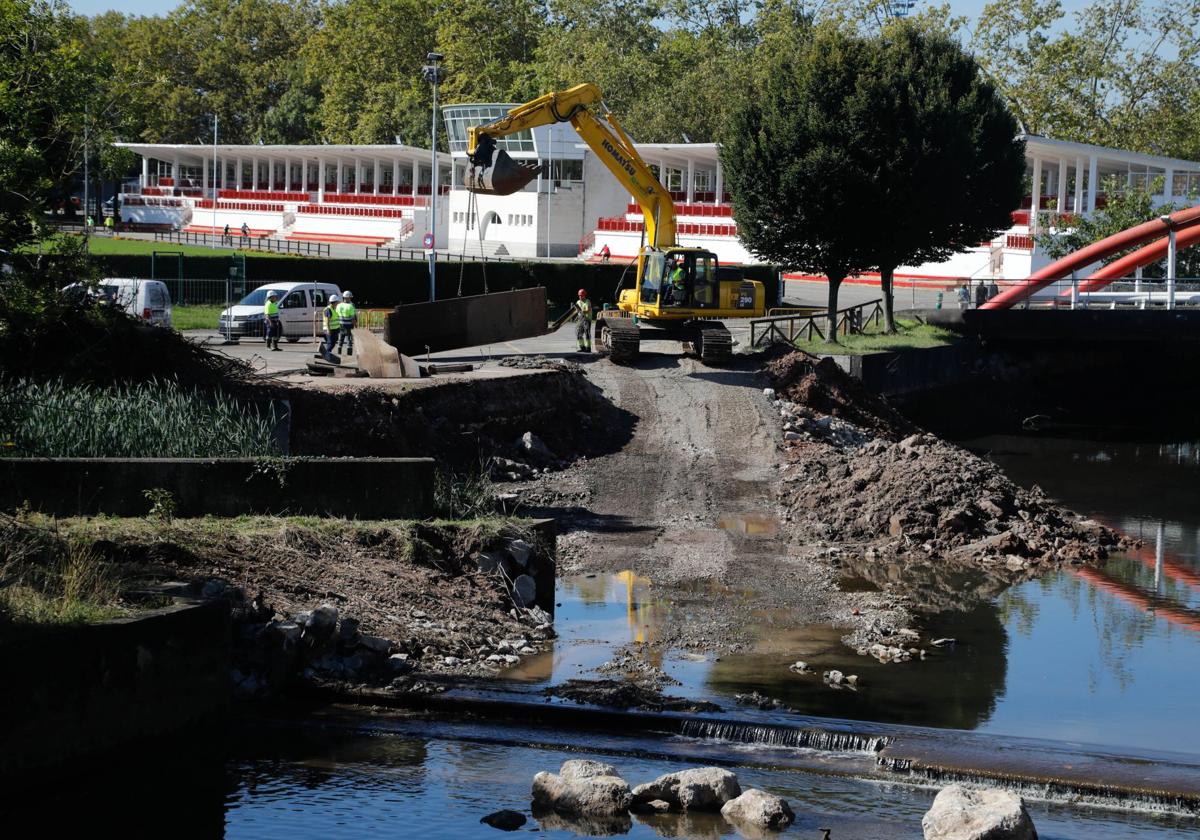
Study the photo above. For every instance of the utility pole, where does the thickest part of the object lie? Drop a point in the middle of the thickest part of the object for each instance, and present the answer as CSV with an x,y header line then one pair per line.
x,y
433,74
86,175
215,181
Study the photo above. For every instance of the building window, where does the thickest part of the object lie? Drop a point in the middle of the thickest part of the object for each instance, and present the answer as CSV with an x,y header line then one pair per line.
x,y
460,118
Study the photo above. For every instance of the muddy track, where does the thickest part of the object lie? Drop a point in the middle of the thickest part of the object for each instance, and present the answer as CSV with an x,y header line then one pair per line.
x,y
690,503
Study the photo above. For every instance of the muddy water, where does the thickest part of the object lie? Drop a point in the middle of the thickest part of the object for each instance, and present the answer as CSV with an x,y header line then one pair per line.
x,y
1092,656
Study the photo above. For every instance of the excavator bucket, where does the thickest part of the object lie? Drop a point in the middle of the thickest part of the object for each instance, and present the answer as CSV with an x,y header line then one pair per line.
x,y
504,176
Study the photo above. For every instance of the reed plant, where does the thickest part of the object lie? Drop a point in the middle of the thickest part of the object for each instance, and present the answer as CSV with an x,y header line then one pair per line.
x,y
155,419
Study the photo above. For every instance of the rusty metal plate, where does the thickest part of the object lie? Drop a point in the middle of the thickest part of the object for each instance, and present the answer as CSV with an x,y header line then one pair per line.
x,y
466,321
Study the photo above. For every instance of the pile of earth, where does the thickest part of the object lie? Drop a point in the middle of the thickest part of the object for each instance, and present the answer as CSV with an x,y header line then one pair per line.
x,y
414,592
518,425
859,473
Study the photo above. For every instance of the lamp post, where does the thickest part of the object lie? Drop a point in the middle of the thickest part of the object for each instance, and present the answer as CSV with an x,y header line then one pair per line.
x,y
215,180
433,74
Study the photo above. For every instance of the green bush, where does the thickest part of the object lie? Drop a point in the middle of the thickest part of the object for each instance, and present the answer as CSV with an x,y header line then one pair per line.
x,y
145,420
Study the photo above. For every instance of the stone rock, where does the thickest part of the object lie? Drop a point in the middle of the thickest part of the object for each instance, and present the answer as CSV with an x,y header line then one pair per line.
x,y
532,446
451,661
700,789
792,436
520,552
399,663
505,820
835,677
654,806
375,644
960,813
348,635
760,809
799,667
321,623
769,393
852,680
595,796
212,589
524,591
582,768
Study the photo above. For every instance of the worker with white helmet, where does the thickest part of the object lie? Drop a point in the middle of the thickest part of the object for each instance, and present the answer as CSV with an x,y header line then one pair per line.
x,y
348,318
331,324
583,327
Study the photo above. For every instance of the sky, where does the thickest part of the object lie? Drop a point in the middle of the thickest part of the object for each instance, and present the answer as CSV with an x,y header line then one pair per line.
x,y
969,8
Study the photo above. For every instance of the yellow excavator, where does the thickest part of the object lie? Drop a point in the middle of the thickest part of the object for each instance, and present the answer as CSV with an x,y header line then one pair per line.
x,y
680,292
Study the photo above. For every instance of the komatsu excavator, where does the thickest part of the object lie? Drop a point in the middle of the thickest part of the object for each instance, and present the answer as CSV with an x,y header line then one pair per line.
x,y
680,292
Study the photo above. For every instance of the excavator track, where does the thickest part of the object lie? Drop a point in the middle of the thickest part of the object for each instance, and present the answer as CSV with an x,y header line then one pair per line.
x,y
618,338
712,343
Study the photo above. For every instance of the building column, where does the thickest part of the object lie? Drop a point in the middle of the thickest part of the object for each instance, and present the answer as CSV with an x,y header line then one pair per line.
x,y
395,176
1168,188
690,192
253,173
720,193
1061,206
416,178
145,172
204,178
1093,187
1035,195
375,183
175,171
1077,206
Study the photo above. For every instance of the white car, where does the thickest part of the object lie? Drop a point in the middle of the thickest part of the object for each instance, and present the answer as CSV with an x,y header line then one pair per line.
x,y
300,306
149,300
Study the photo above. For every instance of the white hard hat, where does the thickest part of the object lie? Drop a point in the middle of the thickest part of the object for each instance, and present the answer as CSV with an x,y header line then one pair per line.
x,y
272,294
334,296
347,295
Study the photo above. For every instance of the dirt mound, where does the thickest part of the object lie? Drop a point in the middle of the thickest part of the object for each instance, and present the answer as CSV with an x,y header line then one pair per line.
x,y
100,346
823,387
624,694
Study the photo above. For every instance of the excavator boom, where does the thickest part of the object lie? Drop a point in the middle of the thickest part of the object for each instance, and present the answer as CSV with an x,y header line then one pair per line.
x,y
494,172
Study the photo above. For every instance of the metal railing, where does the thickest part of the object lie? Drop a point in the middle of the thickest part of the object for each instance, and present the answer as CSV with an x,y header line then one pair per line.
x,y
788,328
249,243
382,253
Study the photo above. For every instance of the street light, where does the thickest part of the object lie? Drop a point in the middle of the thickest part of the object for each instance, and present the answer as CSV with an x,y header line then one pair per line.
x,y
433,74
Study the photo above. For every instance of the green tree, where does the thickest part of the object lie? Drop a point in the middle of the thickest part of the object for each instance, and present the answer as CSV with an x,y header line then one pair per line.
x,y
1127,74
366,61
944,151
792,162
490,49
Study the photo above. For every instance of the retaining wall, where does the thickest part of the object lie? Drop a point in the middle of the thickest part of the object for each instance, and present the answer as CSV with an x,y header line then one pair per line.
x,y
362,488
912,371
75,693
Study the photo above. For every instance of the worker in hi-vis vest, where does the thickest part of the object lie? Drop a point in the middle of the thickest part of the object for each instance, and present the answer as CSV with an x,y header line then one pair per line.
x,y
583,327
332,324
348,318
271,325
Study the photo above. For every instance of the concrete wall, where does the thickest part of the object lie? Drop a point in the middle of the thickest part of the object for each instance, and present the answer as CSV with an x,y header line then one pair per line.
x,y
361,488
911,371
466,321
74,693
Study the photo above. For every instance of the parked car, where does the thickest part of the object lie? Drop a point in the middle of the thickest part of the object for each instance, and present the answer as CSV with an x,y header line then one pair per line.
x,y
149,300
300,306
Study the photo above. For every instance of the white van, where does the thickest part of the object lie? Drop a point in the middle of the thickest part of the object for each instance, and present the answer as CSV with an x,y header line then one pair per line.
x,y
149,300
300,306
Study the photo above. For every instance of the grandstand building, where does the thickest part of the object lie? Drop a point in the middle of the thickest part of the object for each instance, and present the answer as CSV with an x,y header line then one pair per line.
x,y
379,195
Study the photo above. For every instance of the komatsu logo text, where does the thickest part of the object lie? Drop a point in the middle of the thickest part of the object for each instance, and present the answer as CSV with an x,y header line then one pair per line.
x,y
621,159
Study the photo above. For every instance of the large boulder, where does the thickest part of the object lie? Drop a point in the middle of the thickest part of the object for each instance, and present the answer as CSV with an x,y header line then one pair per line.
x,y
575,792
759,809
701,789
960,813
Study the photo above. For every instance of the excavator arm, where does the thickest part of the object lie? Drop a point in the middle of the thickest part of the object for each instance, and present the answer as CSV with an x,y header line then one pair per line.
x,y
495,173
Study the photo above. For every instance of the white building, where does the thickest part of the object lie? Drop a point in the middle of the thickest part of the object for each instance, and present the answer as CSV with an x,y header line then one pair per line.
x,y
379,195
368,195
553,214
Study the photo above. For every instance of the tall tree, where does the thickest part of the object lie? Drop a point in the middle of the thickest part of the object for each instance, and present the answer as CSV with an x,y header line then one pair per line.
x,y
945,154
367,61
792,160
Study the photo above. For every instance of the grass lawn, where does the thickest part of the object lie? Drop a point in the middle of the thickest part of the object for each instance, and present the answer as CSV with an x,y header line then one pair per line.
x,y
105,245
196,317
909,335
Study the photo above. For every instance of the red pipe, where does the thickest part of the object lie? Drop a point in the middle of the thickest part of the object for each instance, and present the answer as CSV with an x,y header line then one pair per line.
x,y
1084,257
1150,254
1179,616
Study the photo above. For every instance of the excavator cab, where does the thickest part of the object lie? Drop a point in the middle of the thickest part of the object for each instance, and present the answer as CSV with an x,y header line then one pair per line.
x,y
494,172
677,279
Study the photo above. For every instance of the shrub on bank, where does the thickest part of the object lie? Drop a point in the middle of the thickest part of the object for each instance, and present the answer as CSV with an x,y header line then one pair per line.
x,y
157,419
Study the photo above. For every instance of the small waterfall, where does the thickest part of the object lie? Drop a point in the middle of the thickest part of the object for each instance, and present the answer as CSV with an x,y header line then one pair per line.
x,y
1095,795
783,736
